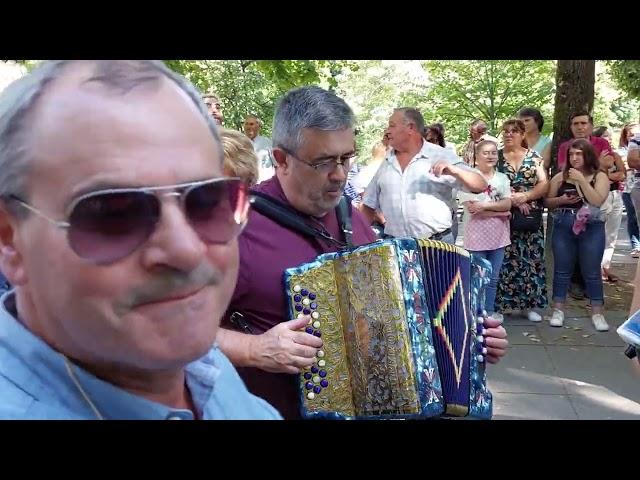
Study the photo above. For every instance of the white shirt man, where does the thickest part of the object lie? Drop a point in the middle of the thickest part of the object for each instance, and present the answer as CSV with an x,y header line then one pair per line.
x,y
415,202
413,188
262,146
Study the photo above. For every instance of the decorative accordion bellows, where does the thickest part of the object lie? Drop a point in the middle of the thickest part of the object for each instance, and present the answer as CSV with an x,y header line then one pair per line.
x,y
399,323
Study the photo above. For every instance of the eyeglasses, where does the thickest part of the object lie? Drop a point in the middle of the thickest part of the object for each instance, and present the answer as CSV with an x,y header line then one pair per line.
x,y
108,225
328,166
506,133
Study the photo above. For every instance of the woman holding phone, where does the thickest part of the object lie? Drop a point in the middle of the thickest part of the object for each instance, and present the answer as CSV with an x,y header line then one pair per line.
x,y
576,194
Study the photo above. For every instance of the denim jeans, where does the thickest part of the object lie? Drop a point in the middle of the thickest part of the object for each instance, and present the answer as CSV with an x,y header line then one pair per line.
x,y
587,248
632,221
495,258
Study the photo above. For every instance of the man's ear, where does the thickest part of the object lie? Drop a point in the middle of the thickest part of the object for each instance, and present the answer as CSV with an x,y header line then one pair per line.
x,y
11,261
280,157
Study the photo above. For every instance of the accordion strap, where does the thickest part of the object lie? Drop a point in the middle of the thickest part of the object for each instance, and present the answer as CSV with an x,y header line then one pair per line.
x,y
289,218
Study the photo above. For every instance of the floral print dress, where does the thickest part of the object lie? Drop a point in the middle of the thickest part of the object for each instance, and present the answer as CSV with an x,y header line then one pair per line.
x,y
522,284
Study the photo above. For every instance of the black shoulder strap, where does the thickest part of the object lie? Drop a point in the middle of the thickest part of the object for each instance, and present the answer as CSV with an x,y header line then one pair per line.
x,y
344,218
287,217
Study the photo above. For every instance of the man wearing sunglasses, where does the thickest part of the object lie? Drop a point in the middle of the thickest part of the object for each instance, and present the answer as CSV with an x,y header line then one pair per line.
x,y
314,145
118,232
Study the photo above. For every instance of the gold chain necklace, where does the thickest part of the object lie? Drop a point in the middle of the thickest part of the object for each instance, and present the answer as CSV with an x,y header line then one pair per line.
x,y
75,380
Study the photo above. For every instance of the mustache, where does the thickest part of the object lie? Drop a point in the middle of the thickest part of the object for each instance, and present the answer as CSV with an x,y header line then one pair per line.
x,y
173,282
333,187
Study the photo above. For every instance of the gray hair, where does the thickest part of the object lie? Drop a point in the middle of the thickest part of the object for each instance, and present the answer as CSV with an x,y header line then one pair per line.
x,y
308,107
18,100
414,116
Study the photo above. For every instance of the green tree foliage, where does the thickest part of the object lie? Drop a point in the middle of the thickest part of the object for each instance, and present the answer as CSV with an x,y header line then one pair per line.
x,y
373,90
626,74
254,86
493,90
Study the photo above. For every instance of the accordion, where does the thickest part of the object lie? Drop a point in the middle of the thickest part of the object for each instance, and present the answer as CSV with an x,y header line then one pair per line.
x,y
400,321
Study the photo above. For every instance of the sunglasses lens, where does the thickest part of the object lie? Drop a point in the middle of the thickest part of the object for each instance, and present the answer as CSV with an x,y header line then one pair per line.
x,y
109,226
218,210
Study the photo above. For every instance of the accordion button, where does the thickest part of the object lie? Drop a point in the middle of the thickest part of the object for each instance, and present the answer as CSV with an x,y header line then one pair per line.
x,y
306,311
316,379
311,395
300,315
480,339
320,353
297,298
307,376
304,292
313,306
480,320
317,333
317,389
306,301
484,351
314,369
297,288
308,385
324,384
309,330
298,308
312,295
315,315
316,324
322,373
480,358
321,363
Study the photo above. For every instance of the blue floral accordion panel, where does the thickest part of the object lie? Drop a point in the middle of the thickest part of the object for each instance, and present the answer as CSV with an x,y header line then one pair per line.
x,y
399,321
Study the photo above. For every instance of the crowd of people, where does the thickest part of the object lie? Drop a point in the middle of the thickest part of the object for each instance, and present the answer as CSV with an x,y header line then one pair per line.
x,y
143,286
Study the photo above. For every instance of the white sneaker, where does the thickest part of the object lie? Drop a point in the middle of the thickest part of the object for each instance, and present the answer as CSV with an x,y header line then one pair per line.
x,y
599,322
557,319
534,316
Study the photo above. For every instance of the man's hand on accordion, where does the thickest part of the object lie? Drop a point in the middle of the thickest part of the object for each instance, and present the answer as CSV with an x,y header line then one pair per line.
x,y
495,338
284,348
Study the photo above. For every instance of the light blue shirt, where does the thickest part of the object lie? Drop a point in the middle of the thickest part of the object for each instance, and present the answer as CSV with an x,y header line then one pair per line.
x,y
35,384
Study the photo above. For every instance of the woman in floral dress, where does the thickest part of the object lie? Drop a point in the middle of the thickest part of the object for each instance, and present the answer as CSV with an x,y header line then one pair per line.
x,y
522,284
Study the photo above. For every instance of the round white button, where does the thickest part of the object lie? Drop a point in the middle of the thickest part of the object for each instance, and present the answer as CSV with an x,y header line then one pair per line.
x,y
316,324
315,315
321,363
316,379
306,301
320,353
300,315
311,395
297,288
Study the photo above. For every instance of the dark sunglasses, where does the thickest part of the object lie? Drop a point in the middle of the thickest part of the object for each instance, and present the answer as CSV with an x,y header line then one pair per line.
x,y
108,225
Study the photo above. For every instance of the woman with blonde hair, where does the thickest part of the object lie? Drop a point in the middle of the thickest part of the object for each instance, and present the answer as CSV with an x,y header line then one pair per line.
x,y
240,159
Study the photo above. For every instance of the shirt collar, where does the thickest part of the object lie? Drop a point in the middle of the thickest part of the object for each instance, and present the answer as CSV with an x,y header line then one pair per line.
x,y
40,370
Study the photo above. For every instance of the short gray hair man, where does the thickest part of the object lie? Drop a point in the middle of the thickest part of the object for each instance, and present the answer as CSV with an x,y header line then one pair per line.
x,y
308,107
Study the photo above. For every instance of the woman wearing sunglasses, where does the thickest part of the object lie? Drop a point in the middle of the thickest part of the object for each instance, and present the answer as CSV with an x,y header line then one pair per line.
x,y
119,233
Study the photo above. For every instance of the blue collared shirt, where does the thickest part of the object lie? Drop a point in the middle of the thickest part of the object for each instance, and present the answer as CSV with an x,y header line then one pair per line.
x,y
35,384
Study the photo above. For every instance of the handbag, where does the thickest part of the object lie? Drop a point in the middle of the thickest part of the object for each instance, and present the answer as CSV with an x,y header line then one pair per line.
x,y
530,222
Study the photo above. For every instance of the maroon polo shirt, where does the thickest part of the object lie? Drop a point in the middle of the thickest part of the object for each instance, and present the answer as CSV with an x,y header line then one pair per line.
x,y
266,250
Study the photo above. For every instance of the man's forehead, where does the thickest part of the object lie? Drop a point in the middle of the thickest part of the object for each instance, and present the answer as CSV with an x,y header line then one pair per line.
x,y
580,119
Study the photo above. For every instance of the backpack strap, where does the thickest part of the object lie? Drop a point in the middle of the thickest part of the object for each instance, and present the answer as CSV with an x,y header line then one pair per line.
x,y
288,217
343,211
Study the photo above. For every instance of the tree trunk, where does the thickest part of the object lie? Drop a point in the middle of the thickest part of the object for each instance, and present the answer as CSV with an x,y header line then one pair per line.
x,y
575,84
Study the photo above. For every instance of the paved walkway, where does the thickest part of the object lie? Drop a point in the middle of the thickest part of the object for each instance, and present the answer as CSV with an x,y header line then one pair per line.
x,y
572,372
